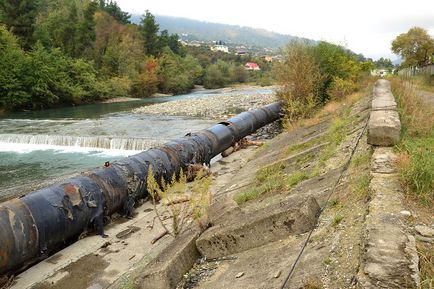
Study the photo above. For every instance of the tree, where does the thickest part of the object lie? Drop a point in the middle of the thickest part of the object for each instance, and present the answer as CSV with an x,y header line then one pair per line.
x,y
149,29
112,8
69,26
146,83
385,63
19,17
300,77
12,60
415,47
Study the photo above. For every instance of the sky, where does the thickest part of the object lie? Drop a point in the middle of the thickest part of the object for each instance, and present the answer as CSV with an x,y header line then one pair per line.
x,y
366,27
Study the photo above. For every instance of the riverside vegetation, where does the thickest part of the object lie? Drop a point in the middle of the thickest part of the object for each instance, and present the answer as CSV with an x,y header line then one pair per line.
x,y
55,52
181,202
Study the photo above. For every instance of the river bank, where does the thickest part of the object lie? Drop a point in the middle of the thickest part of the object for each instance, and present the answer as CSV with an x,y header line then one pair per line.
x,y
228,102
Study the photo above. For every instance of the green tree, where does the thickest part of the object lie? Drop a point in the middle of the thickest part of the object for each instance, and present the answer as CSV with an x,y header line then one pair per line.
x,y
337,65
149,29
177,74
12,60
415,47
19,17
112,8
384,63
300,78
69,26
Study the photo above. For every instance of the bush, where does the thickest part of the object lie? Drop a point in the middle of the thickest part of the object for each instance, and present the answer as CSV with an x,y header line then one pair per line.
x,y
300,78
146,82
311,75
13,93
177,74
214,77
416,158
180,201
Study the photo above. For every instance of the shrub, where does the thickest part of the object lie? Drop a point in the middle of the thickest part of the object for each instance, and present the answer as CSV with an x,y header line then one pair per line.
x,y
300,78
180,201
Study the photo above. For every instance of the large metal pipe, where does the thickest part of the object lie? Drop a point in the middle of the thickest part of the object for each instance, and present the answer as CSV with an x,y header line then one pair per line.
x,y
38,224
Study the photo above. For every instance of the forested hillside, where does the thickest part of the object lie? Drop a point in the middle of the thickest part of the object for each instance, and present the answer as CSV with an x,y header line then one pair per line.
x,y
207,31
55,52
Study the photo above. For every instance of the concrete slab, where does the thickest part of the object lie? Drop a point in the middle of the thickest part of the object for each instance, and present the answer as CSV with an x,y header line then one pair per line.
x,y
167,269
390,259
383,104
383,160
96,261
259,227
384,128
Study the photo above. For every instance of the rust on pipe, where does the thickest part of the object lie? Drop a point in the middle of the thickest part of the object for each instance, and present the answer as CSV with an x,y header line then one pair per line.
x,y
42,222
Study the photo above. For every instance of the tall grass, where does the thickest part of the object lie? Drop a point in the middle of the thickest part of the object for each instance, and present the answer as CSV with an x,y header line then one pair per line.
x,y
416,149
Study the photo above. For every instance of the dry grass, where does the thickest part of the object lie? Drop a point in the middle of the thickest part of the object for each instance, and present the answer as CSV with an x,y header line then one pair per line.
x,y
416,149
416,165
312,284
426,260
417,117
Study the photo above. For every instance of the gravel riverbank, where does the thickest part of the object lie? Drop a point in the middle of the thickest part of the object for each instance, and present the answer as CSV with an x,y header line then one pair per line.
x,y
231,101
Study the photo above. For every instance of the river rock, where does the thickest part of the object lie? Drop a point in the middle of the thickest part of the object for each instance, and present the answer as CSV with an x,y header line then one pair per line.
x,y
424,231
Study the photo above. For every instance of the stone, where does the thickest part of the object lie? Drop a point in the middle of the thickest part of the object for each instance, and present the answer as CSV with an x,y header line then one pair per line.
x,y
384,128
384,104
405,213
383,160
278,273
424,231
239,275
390,256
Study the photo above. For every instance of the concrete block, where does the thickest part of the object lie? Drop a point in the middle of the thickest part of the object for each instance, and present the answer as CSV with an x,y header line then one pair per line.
x,y
384,128
166,271
383,98
390,256
383,160
383,104
258,228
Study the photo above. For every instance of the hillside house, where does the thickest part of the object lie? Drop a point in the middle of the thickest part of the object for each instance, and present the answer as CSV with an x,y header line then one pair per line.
x,y
252,66
268,58
222,48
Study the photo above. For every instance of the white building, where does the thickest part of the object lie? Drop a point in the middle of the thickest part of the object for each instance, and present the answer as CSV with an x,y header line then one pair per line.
x,y
222,48
379,72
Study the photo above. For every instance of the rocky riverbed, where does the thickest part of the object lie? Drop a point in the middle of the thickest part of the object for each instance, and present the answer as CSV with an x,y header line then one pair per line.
x,y
212,107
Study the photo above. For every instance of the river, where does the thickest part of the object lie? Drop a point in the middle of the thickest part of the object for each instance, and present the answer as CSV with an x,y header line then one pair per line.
x,y
39,146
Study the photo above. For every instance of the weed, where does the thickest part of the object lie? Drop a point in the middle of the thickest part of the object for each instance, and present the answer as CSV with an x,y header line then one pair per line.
x,y
327,261
296,178
181,202
361,159
312,284
361,184
334,202
337,219
426,259
416,158
297,148
268,179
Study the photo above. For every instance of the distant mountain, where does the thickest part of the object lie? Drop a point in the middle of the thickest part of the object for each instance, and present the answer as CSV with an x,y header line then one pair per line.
x,y
207,31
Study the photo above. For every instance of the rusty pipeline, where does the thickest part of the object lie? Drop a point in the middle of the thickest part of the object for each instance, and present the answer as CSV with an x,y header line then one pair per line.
x,y
42,222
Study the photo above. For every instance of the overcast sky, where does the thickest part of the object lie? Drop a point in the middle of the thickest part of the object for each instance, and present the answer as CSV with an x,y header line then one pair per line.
x,y
366,27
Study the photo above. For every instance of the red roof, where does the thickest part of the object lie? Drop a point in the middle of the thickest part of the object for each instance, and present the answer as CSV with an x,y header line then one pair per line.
x,y
252,65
